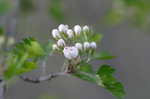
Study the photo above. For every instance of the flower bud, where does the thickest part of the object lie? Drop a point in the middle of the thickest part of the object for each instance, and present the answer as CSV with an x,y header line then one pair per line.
x,y
61,43
78,46
86,45
55,34
93,45
85,28
62,28
70,52
70,33
67,27
55,47
77,29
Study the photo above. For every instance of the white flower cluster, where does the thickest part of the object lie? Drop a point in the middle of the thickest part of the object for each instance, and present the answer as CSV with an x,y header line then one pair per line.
x,y
71,51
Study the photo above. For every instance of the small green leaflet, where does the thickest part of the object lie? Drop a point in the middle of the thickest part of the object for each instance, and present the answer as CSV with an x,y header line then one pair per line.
x,y
104,56
105,72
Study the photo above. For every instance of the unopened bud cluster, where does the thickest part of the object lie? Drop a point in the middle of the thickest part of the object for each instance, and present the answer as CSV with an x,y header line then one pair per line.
x,y
68,41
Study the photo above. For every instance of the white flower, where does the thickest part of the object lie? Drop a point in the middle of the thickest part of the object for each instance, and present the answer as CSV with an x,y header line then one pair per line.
x,y
86,45
70,52
77,29
61,43
63,28
85,28
55,34
93,45
55,47
78,46
70,33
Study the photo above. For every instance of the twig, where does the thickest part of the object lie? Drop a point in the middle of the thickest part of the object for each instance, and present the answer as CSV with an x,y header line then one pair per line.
x,y
2,89
43,78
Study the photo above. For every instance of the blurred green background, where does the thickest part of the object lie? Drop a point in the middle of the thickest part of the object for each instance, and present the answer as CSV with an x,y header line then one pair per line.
x,y
124,24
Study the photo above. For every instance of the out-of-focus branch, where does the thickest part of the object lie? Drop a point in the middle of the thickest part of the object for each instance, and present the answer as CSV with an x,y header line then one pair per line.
x,y
2,89
43,78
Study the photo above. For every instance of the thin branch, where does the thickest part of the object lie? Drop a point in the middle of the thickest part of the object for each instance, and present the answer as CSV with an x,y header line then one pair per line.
x,y
43,78
2,89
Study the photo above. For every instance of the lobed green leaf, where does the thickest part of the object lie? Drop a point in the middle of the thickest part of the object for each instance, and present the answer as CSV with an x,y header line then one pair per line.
x,y
105,72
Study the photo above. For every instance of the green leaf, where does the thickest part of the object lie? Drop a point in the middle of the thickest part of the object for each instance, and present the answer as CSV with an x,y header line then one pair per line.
x,y
15,63
96,37
104,56
85,72
105,72
26,67
34,47
85,76
85,67
29,45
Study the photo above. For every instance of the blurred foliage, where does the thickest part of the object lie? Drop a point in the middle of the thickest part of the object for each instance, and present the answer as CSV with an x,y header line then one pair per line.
x,y
1,31
46,96
103,55
56,10
26,6
135,11
4,6
24,57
